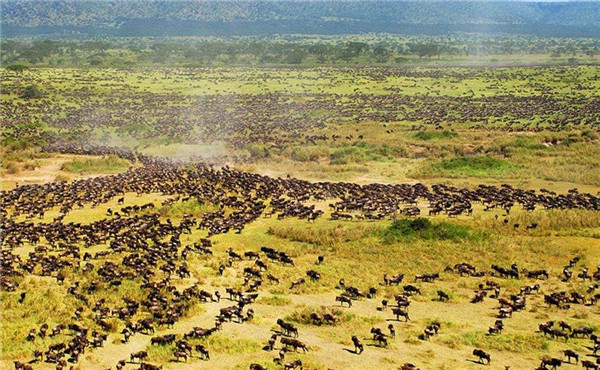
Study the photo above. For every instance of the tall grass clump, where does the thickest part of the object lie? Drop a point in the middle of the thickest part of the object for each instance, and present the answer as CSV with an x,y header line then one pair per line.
x,y
324,236
306,154
422,228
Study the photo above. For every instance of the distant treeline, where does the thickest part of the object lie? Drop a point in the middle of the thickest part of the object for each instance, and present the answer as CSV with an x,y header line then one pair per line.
x,y
166,18
248,51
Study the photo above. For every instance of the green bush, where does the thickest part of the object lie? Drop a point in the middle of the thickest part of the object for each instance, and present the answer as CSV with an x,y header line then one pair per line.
x,y
31,92
422,228
474,166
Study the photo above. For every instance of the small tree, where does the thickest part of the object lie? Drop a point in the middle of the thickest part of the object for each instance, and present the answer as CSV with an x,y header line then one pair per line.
x,y
31,92
17,67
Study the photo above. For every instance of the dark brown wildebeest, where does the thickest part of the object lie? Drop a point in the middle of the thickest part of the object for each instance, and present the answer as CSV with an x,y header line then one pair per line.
x,y
589,365
550,361
22,366
203,352
399,312
583,331
330,319
141,355
443,296
411,289
394,280
293,364
497,328
343,299
358,346
257,367
297,282
288,328
408,366
147,366
294,343
180,354
571,354
482,355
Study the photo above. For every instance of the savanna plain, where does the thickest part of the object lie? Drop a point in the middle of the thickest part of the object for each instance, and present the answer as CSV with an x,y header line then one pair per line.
x,y
457,205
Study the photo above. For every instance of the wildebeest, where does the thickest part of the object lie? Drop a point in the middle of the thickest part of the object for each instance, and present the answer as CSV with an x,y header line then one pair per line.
x,y
343,299
141,355
482,356
358,346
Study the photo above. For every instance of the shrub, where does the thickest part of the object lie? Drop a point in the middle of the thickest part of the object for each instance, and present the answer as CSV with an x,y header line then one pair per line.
x,y
193,207
31,92
476,166
10,167
17,67
422,228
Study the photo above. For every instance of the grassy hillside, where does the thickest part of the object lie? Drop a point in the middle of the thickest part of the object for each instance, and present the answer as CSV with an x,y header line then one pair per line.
x,y
133,18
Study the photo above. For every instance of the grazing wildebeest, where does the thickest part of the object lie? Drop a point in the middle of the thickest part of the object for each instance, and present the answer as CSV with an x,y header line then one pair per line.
x,y
411,289
141,355
571,354
482,355
443,296
550,361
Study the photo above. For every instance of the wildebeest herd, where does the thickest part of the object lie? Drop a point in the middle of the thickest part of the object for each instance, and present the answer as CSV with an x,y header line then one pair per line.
x,y
145,248
280,117
130,274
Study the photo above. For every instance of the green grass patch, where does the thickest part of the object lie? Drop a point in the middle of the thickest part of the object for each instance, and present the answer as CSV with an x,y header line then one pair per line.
x,y
222,343
435,135
520,343
109,164
275,300
474,166
191,207
303,316
422,228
